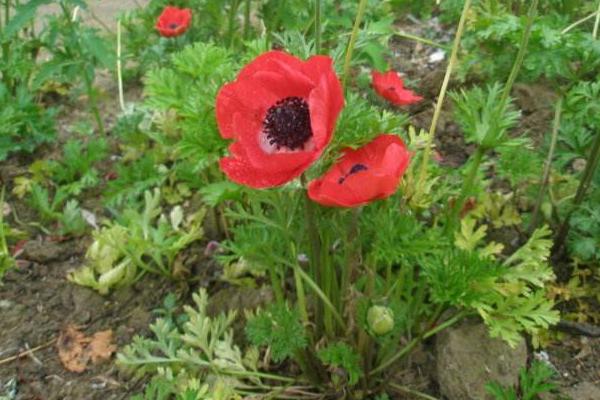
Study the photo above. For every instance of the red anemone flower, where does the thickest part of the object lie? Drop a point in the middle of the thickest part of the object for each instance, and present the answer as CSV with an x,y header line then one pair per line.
x,y
174,21
281,113
369,173
390,86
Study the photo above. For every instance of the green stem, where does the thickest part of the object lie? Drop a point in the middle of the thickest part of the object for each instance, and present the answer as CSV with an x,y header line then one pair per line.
x,y
352,253
440,102
411,345
596,23
300,294
584,184
348,59
547,167
93,102
247,12
318,26
531,14
231,29
315,253
323,297
466,191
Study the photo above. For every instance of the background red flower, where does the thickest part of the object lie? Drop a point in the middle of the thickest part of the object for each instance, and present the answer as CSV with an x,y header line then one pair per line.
x,y
173,21
281,113
369,173
390,86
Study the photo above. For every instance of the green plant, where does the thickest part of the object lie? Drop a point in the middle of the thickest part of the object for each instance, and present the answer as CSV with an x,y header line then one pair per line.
x,y
533,382
24,124
140,242
77,51
6,260
198,359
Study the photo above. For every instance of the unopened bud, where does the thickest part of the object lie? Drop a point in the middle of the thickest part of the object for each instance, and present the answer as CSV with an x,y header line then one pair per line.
x,y
380,320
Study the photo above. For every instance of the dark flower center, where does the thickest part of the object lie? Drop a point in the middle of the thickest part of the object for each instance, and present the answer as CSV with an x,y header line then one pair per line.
x,y
356,168
173,25
287,124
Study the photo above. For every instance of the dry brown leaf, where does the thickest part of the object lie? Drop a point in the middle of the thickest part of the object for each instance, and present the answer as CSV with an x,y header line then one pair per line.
x,y
75,350
101,346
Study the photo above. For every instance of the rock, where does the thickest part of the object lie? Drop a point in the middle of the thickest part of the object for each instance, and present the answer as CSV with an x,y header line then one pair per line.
x,y
583,391
467,358
46,251
238,299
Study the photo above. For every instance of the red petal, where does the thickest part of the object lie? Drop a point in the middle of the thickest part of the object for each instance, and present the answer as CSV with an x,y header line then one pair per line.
x,y
386,159
243,173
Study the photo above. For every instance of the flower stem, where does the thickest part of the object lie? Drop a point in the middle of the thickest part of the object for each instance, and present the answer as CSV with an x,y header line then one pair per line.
x,y
547,167
352,255
411,345
348,59
440,102
119,67
596,23
317,26
247,11
231,29
531,14
315,253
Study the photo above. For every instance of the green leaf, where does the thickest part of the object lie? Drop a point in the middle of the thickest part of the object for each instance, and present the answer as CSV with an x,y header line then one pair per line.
x,y
341,355
25,14
279,328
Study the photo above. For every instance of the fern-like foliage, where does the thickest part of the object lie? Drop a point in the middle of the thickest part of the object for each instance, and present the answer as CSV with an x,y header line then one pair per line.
x,y
484,118
187,88
197,360
509,296
341,355
279,328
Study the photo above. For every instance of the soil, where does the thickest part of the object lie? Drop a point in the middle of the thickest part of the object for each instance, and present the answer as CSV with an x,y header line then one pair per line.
x,y
37,302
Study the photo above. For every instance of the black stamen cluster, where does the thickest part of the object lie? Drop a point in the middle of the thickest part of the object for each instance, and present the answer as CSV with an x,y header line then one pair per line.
x,y
356,168
287,123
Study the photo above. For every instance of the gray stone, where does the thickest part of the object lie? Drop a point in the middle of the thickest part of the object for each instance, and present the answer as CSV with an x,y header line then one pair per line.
x,y
467,358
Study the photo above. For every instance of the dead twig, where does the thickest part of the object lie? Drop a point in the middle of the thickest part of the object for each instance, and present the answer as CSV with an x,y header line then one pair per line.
x,y
27,352
578,328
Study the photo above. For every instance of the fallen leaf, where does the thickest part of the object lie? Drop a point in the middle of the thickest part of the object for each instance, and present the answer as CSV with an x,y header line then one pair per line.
x,y
76,350
101,347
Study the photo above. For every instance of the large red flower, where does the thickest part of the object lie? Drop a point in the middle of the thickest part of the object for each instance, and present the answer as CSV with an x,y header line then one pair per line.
x,y
174,21
369,173
390,86
281,113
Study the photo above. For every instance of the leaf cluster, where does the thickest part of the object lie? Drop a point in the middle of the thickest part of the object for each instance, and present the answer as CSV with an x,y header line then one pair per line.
x,y
141,241
279,328
194,360
485,118
509,295
533,381
551,53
